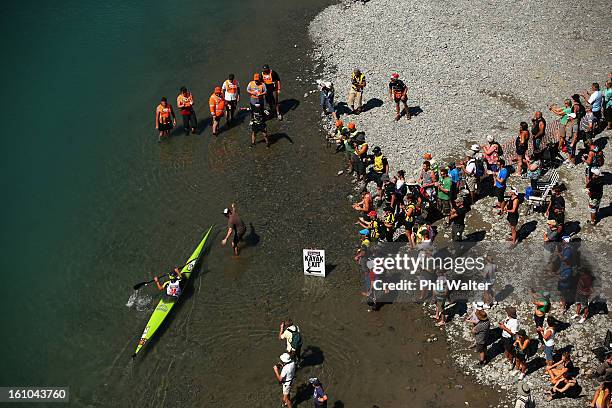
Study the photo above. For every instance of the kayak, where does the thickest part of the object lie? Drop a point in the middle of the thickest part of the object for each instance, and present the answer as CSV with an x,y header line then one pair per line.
x,y
166,304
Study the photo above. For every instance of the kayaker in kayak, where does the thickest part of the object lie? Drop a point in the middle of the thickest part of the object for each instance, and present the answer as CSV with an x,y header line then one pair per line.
x,y
172,285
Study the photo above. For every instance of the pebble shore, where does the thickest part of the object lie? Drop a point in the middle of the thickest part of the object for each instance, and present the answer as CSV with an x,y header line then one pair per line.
x,y
474,69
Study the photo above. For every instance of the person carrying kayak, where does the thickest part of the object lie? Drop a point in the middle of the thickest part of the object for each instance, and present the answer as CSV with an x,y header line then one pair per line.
x,y
398,91
217,109
163,123
273,86
172,285
235,225
257,91
184,101
231,88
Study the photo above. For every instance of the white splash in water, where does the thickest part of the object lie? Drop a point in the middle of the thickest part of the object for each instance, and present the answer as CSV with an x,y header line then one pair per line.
x,y
142,302
132,299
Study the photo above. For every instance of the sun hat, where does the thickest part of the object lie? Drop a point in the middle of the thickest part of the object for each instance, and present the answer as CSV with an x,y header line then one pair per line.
x,y
523,388
596,171
327,84
481,314
285,357
314,381
513,190
478,305
475,148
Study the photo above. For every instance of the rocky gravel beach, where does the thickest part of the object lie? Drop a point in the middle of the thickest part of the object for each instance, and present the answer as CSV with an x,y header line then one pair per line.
x,y
475,69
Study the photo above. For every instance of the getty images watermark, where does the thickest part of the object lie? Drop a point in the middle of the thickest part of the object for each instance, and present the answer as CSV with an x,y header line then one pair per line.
x,y
405,273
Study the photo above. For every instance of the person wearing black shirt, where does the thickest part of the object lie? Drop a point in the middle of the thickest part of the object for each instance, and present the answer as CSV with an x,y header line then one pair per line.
x,y
399,92
556,207
595,187
457,219
273,87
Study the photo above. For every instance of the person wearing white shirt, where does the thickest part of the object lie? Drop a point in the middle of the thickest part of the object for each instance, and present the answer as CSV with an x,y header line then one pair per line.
x,y
285,373
509,327
595,99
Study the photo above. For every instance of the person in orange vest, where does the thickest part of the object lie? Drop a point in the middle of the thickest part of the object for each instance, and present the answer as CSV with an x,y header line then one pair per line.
x,y
256,90
231,90
273,87
163,123
185,103
217,109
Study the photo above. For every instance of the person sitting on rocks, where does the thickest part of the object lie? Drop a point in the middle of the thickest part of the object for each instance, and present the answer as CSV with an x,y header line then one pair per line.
x,y
553,232
561,367
556,207
491,153
365,205
601,398
521,344
367,220
534,168
561,387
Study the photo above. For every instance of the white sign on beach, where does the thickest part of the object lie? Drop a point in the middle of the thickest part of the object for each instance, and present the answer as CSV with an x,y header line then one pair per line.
x,y
314,262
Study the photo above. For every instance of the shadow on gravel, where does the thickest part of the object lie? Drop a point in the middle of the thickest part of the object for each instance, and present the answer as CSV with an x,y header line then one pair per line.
x,y
342,109
371,104
475,236
415,110
302,394
275,137
605,212
571,228
288,105
504,293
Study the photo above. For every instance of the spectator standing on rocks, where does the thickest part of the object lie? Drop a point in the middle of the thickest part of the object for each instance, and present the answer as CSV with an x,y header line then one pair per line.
x,y
594,98
584,290
534,168
556,207
522,145
601,398
594,159
398,92
512,209
548,335
427,179
481,336
457,220
285,374
380,167
523,398
588,125
444,187
595,188
538,130
326,96
491,153
499,183
361,153
521,345
509,327
441,295
566,126
542,306
608,104
355,97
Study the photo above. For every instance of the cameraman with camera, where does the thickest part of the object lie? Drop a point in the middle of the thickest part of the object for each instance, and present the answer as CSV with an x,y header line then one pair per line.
x,y
285,373
291,333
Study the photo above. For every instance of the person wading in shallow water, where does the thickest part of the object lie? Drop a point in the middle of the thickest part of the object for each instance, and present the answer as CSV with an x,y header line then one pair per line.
x,y
231,94
165,119
235,225
184,101
273,87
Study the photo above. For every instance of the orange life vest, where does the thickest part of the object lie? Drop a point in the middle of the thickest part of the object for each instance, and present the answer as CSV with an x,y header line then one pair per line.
x,y
256,91
267,78
230,87
185,103
164,112
217,105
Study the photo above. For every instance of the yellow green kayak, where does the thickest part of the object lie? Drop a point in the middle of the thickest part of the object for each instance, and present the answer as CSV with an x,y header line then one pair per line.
x,y
166,304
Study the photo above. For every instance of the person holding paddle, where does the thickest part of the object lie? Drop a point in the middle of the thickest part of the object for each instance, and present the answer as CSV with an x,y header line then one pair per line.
x,y
172,285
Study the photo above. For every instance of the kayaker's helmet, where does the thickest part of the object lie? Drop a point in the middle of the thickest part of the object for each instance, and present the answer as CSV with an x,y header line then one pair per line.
x,y
377,150
172,276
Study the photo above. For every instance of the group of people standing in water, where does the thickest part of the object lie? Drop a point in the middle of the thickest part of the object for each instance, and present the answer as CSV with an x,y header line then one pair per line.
x,y
223,102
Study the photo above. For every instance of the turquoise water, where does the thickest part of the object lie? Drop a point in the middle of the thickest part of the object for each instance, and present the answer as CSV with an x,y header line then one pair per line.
x,y
92,204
